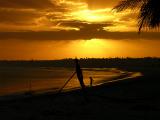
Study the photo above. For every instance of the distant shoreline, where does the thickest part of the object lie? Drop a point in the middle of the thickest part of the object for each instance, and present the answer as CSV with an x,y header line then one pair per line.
x,y
86,63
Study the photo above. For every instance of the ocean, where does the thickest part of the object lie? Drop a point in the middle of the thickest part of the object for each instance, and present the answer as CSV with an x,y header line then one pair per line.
x,y
15,80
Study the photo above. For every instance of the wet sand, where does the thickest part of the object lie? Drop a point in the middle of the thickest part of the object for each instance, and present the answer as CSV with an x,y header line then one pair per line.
x,y
131,99
20,79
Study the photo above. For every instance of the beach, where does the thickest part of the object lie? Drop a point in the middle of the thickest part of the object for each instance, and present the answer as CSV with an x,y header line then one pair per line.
x,y
20,80
131,99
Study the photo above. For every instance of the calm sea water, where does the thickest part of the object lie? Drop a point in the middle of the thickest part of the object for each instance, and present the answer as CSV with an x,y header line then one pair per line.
x,y
20,79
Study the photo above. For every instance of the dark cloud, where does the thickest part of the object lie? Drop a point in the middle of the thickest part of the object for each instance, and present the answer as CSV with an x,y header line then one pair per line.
x,y
84,26
77,35
31,4
17,17
26,12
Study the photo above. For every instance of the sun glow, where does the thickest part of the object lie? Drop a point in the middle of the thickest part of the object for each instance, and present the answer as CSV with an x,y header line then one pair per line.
x,y
89,48
92,15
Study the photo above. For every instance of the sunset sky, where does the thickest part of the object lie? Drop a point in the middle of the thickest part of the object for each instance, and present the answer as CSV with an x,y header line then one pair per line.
x,y
56,29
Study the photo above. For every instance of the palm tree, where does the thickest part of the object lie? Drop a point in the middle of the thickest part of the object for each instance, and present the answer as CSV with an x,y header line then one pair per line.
x,y
149,11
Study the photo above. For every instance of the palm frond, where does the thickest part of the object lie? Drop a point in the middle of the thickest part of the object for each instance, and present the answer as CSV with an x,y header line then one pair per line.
x,y
149,15
149,11
125,4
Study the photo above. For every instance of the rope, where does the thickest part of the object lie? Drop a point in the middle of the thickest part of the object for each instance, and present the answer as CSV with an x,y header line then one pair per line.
x,y
60,90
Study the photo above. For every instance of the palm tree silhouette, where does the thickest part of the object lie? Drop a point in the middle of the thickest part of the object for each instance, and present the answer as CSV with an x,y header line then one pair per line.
x,y
149,11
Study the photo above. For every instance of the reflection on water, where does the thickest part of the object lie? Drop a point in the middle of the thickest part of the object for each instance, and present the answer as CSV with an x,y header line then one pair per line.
x,y
20,79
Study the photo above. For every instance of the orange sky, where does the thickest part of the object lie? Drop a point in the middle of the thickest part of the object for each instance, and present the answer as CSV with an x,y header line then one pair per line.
x,y
55,29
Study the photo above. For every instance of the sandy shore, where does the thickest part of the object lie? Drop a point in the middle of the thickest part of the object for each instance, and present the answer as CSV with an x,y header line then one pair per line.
x,y
131,99
21,95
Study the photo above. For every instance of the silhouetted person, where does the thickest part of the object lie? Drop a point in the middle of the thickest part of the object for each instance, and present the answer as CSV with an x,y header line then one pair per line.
x,y
91,81
80,78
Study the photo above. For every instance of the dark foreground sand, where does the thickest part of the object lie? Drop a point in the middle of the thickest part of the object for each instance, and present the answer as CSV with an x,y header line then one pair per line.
x,y
131,99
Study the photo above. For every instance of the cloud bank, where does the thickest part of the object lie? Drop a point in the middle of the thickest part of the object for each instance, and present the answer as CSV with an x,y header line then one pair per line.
x,y
62,20
77,35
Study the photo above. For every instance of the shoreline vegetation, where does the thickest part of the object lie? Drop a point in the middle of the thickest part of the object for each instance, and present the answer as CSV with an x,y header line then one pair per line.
x,y
86,62
136,98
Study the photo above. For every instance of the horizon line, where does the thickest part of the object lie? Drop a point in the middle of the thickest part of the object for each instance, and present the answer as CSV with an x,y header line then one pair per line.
x,y
80,58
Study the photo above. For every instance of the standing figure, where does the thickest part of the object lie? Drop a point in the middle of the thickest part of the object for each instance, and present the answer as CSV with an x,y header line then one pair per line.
x,y
91,81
